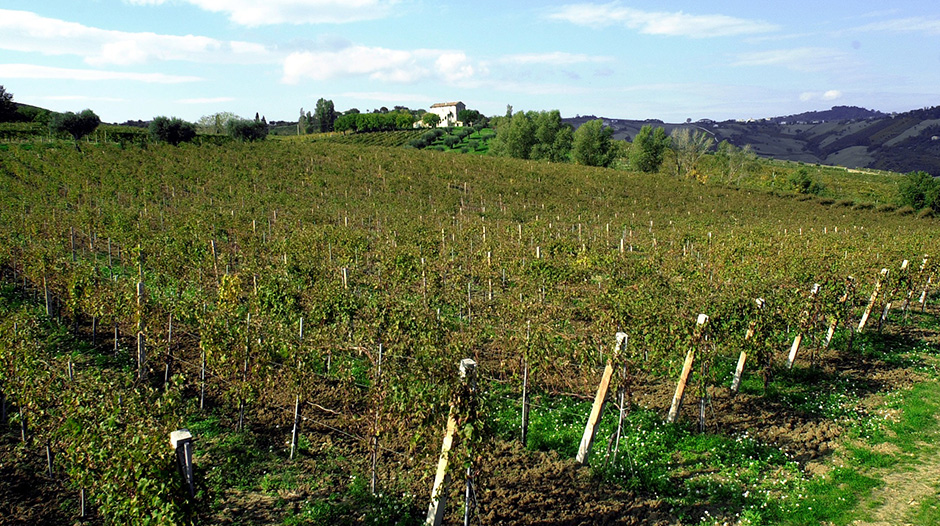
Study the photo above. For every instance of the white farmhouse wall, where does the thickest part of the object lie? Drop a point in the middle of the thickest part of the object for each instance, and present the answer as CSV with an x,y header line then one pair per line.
x,y
448,112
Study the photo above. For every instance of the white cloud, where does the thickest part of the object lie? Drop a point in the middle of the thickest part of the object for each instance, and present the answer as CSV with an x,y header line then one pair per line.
x,y
556,58
826,95
806,59
259,13
29,32
207,100
376,63
384,96
929,26
31,71
659,22
59,98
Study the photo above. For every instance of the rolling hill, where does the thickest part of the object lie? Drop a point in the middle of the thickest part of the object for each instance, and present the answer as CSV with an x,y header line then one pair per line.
x,y
845,136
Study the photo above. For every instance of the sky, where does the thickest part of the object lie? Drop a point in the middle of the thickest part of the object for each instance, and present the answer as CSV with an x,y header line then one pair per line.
x,y
735,59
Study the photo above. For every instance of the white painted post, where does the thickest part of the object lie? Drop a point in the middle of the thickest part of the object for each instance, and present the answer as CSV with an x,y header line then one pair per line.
x,y
295,434
182,442
141,340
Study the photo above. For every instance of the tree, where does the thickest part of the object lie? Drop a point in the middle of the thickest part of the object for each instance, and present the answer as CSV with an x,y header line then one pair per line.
x,y
735,160
7,106
804,183
519,136
324,116
431,120
689,146
648,149
470,117
216,123
246,130
920,190
552,138
592,144
77,125
171,130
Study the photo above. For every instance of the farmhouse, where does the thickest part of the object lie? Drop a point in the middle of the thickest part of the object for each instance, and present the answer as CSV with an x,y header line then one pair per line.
x,y
448,112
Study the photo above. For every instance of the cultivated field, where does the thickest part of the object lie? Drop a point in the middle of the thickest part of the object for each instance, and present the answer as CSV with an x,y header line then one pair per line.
x,y
226,288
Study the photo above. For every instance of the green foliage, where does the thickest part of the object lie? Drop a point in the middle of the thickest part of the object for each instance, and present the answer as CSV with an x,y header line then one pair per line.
x,y
431,120
247,130
533,135
803,183
324,116
592,144
371,122
77,125
920,190
171,130
471,118
689,147
216,123
7,106
649,149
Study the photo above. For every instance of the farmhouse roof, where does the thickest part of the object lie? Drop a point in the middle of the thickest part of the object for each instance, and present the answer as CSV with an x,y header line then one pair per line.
x,y
445,104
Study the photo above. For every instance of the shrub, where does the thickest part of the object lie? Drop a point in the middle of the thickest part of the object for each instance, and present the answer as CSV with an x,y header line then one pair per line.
x,y
451,140
920,190
77,125
171,130
246,130
804,183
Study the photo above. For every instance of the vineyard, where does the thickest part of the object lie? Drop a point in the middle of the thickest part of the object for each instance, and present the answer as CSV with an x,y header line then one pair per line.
x,y
303,309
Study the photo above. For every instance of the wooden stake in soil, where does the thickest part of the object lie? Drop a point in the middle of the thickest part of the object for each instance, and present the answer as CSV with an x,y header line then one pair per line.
x,y
871,302
849,285
442,477
739,370
590,429
684,377
799,337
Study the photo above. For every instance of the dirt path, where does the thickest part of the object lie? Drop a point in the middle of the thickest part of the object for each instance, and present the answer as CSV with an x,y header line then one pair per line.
x,y
903,492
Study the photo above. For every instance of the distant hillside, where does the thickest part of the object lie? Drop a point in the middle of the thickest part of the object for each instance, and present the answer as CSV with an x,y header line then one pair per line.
x,y
842,136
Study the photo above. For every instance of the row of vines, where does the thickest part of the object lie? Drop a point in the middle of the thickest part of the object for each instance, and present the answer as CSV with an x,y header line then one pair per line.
x,y
248,276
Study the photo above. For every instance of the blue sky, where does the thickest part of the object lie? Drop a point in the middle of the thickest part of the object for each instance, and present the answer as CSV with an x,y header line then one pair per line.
x,y
136,59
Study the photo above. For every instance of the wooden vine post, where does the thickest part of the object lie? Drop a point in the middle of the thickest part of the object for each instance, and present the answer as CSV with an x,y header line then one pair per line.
x,y
739,370
903,276
871,301
442,477
843,301
686,370
803,326
913,284
590,429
